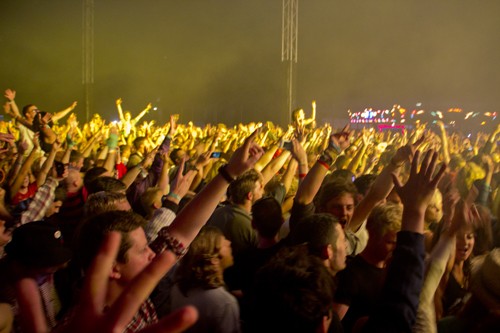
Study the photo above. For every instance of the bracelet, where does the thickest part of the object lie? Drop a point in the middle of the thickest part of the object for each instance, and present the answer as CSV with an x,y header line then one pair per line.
x,y
175,196
223,172
323,163
302,175
165,241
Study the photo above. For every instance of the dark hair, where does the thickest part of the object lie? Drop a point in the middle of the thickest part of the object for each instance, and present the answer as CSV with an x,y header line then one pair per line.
x,y
26,107
317,230
105,183
267,217
92,174
139,141
198,268
94,230
293,292
364,182
244,184
60,193
334,189
101,202
75,156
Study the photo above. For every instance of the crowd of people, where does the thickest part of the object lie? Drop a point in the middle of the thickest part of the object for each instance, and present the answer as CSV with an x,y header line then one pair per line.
x,y
147,227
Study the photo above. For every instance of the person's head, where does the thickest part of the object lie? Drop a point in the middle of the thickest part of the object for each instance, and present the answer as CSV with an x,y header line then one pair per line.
x,y
267,217
140,144
106,183
246,188
59,198
151,200
177,155
38,246
466,239
94,172
101,202
363,184
337,198
134,254
293,293
383,224
434,211
203,265
74,181
466,177
298,116
76,160
127,116
30,111
324,237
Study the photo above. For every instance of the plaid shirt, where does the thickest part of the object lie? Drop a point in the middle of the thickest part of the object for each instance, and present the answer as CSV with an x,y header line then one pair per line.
x,y
162,217
145,316
42,200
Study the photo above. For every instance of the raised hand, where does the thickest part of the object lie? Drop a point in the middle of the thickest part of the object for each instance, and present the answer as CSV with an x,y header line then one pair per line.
x,y
10,94
119,101
419,189
406,152
245,156
340,139
90,315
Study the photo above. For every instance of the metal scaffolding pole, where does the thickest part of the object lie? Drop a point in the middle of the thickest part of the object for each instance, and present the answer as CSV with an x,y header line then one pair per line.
x,y
88,55
289,44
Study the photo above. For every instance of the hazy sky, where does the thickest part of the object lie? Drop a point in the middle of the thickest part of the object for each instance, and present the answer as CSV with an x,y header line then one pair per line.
x,y
220,60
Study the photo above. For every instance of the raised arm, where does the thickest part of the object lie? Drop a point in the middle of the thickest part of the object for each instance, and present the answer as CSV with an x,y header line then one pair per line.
x,y
23,172
120,110
61,114
312,182
444,141
397,309
47,165
382,185
142,114
274,166
193,217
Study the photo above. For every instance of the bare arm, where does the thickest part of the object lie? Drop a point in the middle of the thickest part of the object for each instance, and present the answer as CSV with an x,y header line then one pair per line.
x,y
382,185
187,224
142,114
19,179
120,110
61,114
312,182
47,165
274,166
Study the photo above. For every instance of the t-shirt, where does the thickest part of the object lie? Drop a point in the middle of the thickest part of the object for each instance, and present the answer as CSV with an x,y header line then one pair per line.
x,y
359,287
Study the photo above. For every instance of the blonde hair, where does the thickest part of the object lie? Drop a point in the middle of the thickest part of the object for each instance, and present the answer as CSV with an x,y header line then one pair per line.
x,y
466,177
383,218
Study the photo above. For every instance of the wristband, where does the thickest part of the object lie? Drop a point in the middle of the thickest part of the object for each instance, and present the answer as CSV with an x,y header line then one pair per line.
x,y
302,175
175,196
112,141
323,163
223,172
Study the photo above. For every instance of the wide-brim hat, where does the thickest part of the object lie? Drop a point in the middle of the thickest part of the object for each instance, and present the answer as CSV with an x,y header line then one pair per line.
x,y
38,245
486,280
